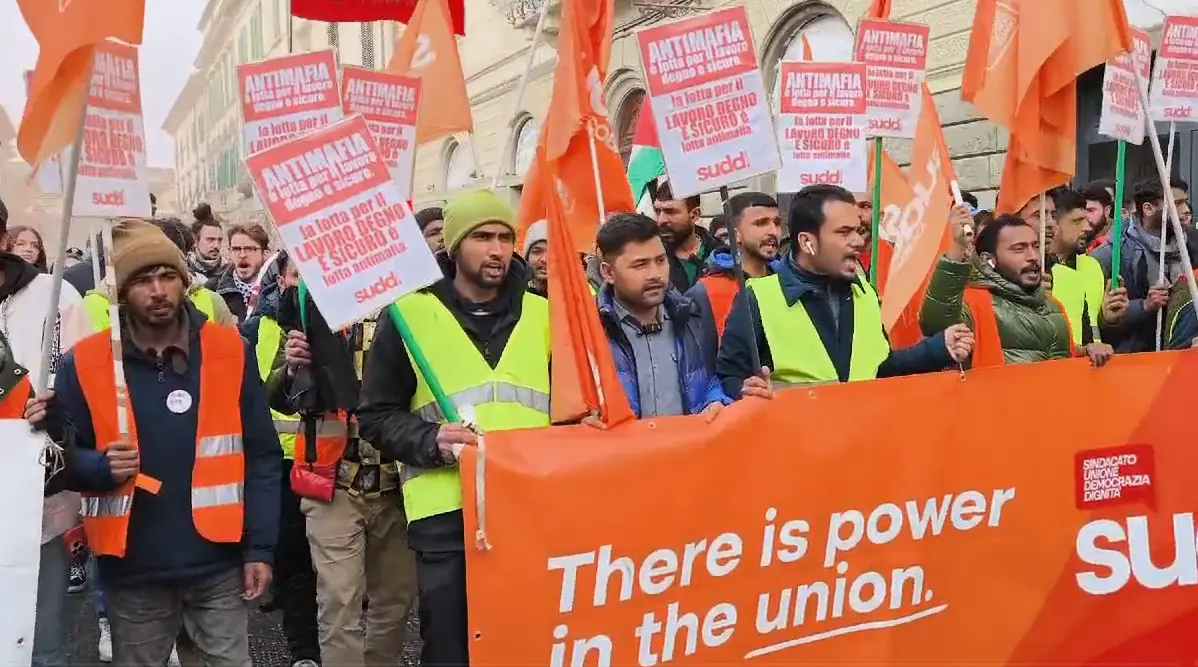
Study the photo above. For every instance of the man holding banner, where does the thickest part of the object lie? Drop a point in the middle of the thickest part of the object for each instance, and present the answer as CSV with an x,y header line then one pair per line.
x,y
487,339
837,334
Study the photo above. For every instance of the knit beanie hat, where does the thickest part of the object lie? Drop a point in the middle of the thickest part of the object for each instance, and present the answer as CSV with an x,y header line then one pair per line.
x,y
471,210
537,232
138,245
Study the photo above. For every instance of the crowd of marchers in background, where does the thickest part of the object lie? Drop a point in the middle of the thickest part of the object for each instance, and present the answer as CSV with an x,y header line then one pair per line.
x,y
269,464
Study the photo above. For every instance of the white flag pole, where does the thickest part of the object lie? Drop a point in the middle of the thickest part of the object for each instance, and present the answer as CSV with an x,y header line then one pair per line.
x,y
64,230
1167,189
1170,205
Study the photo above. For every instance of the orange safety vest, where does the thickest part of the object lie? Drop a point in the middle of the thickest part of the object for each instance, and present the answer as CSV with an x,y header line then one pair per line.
x,y
721,292
332,437
987,346
12,402
218,475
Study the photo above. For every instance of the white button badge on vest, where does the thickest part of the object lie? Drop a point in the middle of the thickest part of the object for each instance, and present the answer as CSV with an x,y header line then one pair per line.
x,y
178,401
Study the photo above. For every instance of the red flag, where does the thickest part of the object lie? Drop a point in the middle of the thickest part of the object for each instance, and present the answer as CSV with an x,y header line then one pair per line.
x,y
355,11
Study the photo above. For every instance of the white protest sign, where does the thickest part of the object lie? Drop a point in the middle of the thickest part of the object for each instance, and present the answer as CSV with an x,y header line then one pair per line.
x,y
1174,90
821,127
1122,114
346,225
709,101
389,103
22,478
896,55
112,164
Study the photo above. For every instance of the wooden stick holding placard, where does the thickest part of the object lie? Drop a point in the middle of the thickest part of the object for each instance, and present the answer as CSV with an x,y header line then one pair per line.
x,y
1167,191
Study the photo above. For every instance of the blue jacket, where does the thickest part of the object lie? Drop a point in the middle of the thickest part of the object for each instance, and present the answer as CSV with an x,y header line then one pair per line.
x,y
734,362
163,544
696,370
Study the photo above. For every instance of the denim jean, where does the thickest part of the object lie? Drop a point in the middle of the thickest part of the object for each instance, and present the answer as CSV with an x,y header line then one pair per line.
x,y
93,580
50,627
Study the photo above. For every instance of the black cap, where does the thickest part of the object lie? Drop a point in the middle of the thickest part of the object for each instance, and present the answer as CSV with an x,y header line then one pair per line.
x,y
3,217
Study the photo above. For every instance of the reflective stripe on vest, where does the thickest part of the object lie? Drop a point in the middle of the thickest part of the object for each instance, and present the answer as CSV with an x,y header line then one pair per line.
x,y
96,304
515,394
799,354
1079,290
270,339
218,474
721,292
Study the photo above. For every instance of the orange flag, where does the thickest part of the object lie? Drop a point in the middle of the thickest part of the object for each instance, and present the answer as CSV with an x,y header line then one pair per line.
x,y
576,113
915,210
565,185
67,32
1021,70
428,50
879,9
584,377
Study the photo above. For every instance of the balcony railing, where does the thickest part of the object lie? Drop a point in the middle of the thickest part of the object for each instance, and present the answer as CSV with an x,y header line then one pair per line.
x,y
520,13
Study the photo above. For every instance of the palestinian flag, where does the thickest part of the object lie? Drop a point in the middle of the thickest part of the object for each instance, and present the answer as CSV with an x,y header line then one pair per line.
x,y
645,165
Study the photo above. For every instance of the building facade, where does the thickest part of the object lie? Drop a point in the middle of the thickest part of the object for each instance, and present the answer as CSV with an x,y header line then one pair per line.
x,y
498,40
205,119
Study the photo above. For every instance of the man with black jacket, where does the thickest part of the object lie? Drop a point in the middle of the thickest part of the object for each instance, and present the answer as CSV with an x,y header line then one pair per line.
x,y
487,340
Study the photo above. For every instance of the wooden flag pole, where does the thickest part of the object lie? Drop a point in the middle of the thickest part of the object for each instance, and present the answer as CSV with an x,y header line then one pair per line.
x,y
64,230
595,170
1170,205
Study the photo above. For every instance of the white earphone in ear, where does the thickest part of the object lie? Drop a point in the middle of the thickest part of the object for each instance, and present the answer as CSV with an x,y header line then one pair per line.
x,y
808,248
991,263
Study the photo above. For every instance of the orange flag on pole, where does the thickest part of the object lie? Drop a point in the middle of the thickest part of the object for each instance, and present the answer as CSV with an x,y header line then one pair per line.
x,y
576,178
1021,69
879,9
427,50
67,32
586,176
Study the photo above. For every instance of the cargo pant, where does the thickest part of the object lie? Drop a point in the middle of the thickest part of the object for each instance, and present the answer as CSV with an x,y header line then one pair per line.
x,y
359,548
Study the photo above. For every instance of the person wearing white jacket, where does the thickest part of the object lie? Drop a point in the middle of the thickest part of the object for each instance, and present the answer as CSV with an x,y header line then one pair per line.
x,y
24,295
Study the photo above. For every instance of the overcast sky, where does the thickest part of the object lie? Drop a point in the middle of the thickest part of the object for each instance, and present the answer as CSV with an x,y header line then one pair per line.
x,y
171,43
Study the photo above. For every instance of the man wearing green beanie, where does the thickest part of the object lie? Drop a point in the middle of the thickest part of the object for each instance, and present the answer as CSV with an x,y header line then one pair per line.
x,y
487,340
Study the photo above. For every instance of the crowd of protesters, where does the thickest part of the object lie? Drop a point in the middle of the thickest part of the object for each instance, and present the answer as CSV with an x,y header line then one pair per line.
x,y
271,465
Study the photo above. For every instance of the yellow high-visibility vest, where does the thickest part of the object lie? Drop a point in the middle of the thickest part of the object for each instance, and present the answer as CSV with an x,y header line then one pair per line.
x,y
96,303
270,338
515,394
799,355
1080,290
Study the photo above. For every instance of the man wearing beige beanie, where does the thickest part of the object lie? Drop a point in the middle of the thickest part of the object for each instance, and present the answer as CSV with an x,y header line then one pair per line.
x,y
201,476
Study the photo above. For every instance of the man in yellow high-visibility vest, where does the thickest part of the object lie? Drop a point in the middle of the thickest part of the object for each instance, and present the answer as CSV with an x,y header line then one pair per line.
x,y
487,339
1078,282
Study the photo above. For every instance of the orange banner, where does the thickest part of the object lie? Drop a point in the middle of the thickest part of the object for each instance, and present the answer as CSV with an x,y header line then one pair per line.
x,y
890,522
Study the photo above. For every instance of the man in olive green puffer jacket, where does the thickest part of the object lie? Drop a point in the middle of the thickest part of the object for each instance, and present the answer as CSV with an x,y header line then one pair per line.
x,y
1031,326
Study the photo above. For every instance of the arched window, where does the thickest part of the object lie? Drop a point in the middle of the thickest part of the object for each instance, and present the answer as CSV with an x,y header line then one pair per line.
x,y
528,131
626,119
459,166
831,40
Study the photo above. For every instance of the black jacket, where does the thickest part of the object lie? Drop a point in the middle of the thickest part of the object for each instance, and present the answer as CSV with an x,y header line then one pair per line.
x,y
223,284
389,383
814,293
678,276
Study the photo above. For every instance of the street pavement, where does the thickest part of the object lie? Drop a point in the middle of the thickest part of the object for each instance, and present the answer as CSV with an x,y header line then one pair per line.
x,y
268,648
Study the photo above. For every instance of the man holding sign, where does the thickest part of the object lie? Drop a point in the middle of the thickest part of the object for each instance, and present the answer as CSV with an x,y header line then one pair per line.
x,y
487,339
